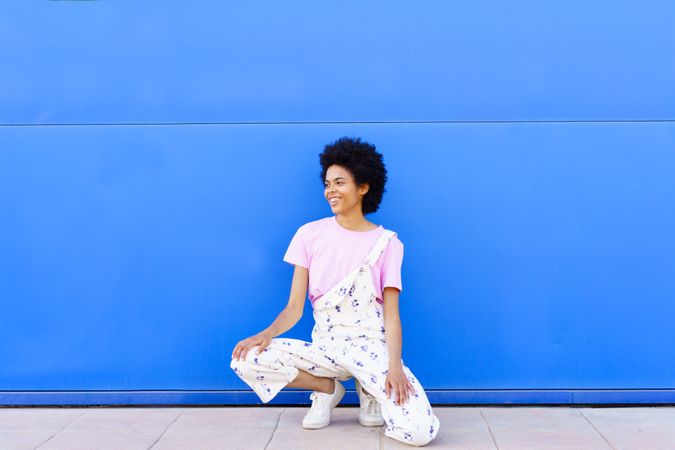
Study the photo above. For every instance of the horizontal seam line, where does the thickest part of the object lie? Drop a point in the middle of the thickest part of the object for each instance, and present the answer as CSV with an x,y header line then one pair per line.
x,y
340,122
210,391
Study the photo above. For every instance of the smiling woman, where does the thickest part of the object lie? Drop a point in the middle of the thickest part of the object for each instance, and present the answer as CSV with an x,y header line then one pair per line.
x,y
354,175
352,269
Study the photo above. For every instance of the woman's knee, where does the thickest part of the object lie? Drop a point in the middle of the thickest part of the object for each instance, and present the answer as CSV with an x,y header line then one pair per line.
x,y
266,357
412,437
237,365
417,434
244,361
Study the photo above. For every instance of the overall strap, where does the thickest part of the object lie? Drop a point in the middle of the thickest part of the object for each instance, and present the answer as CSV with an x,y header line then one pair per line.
x,y
379,246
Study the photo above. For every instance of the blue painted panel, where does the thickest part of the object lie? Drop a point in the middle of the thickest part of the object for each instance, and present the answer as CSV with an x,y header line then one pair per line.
x,y
538,256
301,397
212,61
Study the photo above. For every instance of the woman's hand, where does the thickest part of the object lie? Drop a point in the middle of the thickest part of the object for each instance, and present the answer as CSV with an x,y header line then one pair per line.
x,y
261,339
398,382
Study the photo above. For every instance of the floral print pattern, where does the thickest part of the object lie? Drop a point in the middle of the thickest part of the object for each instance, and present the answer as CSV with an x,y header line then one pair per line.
x,y
348,340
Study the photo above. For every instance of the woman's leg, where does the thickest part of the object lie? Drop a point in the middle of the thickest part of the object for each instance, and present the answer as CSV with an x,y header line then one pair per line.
x,y
412,422
306,380
280,365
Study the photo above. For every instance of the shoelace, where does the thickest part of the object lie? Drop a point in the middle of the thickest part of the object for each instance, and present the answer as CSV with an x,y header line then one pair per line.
x,y
318,401
371,405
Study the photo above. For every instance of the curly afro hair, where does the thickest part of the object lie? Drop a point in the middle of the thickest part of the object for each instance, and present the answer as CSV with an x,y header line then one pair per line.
x,y
363,162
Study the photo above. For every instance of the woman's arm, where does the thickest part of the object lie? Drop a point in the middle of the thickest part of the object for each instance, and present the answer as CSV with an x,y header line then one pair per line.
x,y
396,379
292,313
286,319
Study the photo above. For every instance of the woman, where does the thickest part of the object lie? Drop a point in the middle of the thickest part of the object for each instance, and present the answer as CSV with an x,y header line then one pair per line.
x,y
352,268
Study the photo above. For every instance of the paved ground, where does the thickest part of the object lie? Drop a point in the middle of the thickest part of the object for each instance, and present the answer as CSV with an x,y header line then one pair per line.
x,y
203,428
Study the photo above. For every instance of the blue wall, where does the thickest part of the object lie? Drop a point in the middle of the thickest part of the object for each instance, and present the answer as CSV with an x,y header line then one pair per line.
x,y
144,150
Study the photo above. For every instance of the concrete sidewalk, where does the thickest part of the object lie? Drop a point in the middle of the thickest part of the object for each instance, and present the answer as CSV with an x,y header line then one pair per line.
x,y
202,428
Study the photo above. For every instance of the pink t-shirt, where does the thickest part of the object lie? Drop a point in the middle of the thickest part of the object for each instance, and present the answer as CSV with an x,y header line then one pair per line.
x,y
331,252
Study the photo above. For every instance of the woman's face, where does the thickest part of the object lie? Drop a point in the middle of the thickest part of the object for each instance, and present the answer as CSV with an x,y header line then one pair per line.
x,y
341,191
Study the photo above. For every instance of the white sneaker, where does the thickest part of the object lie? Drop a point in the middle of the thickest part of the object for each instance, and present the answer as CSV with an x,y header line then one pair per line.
x,y
322,405
370,413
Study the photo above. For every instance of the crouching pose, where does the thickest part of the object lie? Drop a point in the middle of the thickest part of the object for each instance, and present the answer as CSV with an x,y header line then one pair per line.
x,y
352,269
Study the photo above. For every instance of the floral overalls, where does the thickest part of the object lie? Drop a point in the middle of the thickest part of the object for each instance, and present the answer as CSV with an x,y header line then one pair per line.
x,y
348,340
